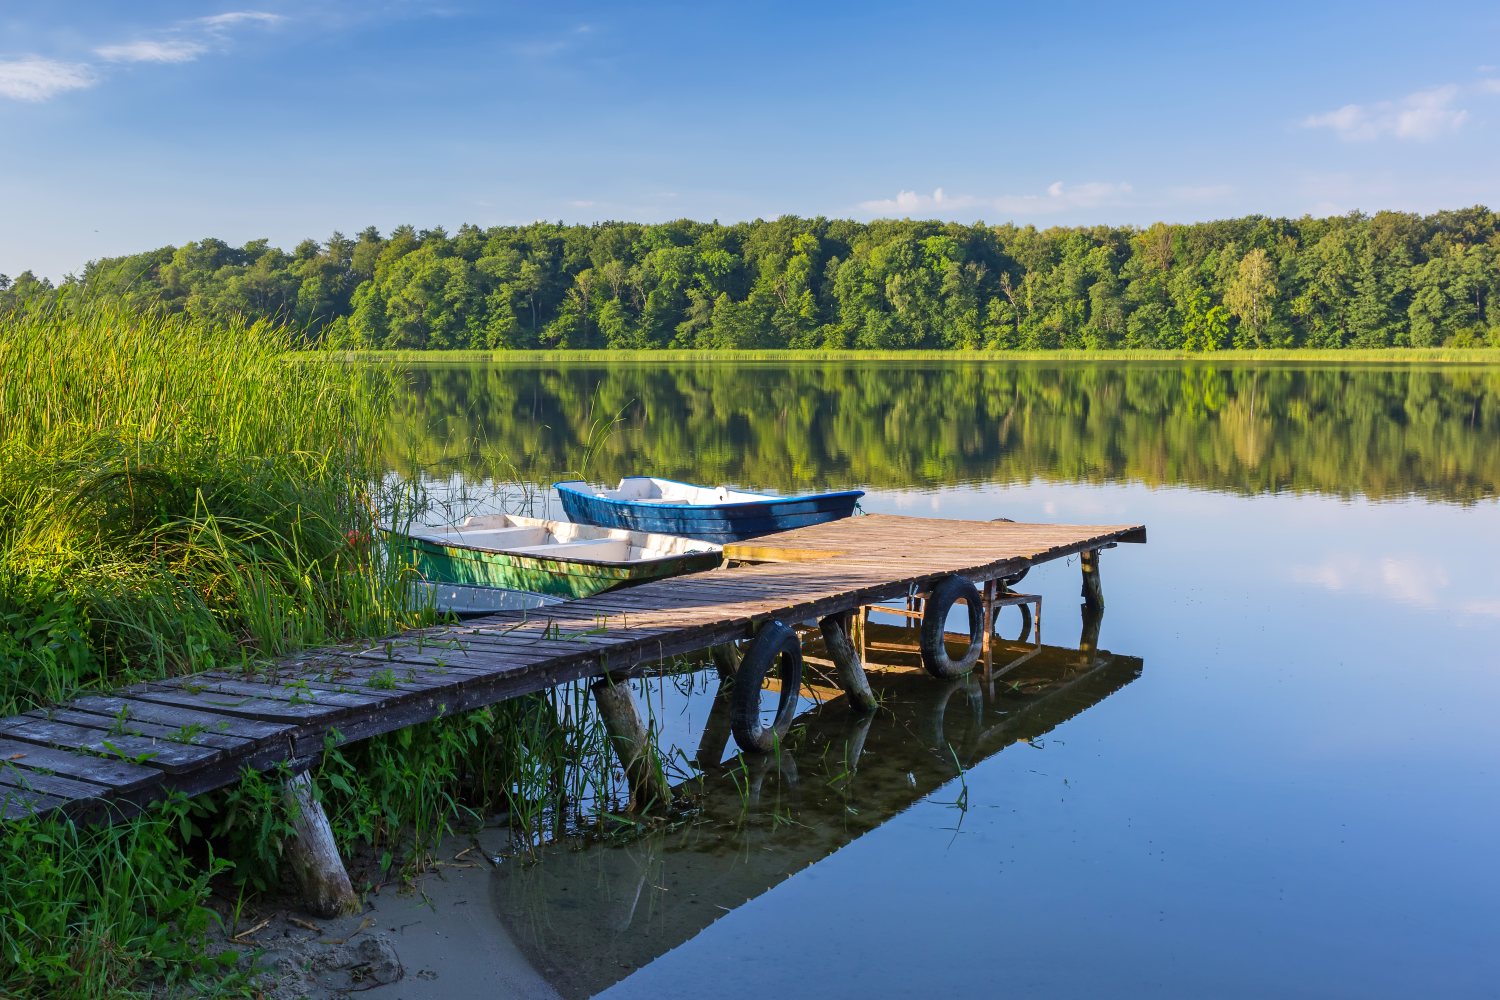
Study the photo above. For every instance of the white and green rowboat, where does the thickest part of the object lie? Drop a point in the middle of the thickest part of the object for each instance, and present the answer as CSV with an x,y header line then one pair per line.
x,y
547,557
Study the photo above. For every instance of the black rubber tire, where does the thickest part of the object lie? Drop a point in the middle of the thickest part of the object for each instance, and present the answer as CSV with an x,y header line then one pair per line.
x,y
957,725
940,601
1010,581
775,645
1025,622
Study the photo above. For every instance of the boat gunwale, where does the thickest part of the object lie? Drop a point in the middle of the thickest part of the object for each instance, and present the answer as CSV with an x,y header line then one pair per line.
x,y
564,485
536,561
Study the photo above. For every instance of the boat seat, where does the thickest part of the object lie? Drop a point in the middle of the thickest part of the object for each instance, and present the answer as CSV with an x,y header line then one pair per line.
x,y
495,537
597,548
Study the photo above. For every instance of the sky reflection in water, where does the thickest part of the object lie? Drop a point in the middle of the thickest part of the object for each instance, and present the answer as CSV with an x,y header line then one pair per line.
x,y
1295,797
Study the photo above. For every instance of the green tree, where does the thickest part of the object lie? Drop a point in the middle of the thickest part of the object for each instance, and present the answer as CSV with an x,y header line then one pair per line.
x,y
1251,296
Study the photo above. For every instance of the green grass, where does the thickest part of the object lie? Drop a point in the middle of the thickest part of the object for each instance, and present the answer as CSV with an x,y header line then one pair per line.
x,y
176,496
173,497
1403,355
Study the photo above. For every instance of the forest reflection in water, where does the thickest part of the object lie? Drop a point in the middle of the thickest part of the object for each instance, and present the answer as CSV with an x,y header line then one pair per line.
x,y
1345,430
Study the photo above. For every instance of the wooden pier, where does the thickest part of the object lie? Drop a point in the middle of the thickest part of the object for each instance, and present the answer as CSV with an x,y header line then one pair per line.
x,y
105,756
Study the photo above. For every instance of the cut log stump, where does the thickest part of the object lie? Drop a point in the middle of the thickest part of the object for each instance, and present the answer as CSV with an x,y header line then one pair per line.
x,y
851,669
312,854
632,744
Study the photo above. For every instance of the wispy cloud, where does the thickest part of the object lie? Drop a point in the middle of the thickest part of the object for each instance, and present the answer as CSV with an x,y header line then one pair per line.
x,y
1423,115
34,79
174,50
236,17
546,48
1057,198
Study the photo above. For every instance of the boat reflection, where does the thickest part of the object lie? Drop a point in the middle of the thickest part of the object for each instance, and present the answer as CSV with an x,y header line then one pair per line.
x,y
587,915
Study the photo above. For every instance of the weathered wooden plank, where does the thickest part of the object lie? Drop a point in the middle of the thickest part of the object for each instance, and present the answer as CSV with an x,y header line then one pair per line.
x,y
170,715
262,709
216,682
17,803
117,775
47,782
164,754
193,736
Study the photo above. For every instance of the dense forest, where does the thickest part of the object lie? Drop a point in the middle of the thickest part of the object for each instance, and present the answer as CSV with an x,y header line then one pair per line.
x,y
1392,279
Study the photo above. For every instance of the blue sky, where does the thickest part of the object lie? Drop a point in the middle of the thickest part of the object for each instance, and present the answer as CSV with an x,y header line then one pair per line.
x,y
126,126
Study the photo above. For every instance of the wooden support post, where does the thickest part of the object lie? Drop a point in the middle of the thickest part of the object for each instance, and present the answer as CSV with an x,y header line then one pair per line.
x,y
314,857
726,657
1093,590
1088,641
632,743
990,586
851,670
716,731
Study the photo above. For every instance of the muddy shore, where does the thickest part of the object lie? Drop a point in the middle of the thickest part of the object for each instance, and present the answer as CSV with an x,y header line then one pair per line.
x,y
435,938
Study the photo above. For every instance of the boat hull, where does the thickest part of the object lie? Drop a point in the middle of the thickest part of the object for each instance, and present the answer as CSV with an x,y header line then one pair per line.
x,y
721,523
540,574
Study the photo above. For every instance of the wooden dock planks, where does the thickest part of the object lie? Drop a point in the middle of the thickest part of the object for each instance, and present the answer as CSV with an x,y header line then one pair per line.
x,y
104,756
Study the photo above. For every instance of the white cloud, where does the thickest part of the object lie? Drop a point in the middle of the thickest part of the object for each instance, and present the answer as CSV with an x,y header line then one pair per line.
x,y
229,20
1423,115
186,41
178,50
34,79
1058,197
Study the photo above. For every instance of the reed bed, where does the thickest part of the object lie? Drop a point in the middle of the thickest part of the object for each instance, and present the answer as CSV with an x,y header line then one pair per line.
x,y
176,496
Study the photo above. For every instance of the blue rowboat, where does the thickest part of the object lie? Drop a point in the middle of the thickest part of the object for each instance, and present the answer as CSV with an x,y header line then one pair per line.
x,y
711,513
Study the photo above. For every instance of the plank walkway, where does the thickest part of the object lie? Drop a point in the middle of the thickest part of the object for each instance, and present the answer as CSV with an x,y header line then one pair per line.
x,y
105,756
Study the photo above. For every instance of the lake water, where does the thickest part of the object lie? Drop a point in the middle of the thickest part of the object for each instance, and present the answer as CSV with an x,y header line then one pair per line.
x,y
1282,781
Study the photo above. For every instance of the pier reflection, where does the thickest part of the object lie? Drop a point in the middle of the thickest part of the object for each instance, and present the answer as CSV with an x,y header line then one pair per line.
x,y
588,915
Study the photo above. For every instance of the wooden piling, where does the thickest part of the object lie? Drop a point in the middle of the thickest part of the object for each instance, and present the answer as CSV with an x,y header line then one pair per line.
x,y
716,731
312,854
726,657
1088,639
846,658
632,744
1093,590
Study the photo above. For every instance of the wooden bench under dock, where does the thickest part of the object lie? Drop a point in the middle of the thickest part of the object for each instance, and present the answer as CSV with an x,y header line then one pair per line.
x,y
105,756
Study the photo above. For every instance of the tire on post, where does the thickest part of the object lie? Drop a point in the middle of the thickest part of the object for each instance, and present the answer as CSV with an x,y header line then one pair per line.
x,y
775,645
935,656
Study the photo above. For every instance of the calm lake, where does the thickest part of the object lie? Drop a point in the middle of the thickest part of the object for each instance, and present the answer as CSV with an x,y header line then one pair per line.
x,y
1281,781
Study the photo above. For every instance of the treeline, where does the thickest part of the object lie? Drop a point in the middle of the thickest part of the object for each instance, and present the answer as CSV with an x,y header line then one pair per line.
x,y
1392,279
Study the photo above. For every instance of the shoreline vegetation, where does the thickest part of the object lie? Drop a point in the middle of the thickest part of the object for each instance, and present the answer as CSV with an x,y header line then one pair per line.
x,y
1294,355
176,496
1391,280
